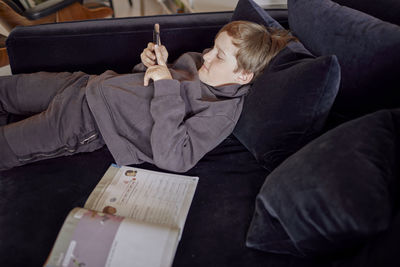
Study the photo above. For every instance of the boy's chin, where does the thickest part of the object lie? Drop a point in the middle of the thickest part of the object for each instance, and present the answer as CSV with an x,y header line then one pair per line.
x,y
203,78
205,81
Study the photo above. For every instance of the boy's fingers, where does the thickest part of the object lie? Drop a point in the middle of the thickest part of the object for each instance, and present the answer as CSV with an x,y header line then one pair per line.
x,y
160,59
150,46
156,73
164,52
150,54
149,62
149,75
146,60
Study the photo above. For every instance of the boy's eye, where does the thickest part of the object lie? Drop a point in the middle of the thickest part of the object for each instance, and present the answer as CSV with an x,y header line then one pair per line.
x,y
219,57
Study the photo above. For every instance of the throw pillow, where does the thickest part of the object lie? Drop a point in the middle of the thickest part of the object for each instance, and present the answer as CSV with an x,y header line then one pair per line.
x,y
367,49
288,104
251,11
334,193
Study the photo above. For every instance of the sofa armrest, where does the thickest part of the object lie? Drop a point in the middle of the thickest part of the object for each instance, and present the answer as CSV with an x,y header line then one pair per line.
x,y
111,44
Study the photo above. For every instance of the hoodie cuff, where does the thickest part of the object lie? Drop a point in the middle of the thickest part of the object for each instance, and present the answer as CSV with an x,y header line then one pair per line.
x,y
166,87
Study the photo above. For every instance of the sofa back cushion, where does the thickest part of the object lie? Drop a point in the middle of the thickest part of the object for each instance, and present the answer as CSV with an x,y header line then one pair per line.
x,y
94,46
289,102
334,193
387,10
368,50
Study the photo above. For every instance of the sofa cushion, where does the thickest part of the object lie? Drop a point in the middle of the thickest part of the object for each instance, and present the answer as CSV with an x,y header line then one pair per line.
x,y
251,11
387,10
334,193
289,102
367,49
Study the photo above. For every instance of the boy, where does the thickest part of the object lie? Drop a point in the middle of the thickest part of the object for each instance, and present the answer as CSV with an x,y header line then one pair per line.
x,y
173,122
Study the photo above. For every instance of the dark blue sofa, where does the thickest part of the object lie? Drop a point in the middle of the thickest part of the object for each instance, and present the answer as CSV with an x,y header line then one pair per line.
x,y
35,199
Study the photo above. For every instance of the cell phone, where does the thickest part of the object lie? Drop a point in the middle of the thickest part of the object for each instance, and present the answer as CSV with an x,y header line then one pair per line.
x,y
156,34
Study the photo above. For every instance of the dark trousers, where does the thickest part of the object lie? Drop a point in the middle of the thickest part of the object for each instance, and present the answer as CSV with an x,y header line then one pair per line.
x,y
59,123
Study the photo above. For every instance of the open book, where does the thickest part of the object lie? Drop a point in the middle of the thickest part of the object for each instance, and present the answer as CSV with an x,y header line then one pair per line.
x,y
133,217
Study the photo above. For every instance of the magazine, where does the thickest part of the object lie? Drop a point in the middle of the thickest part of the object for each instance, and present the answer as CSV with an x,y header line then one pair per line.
x,y
133,217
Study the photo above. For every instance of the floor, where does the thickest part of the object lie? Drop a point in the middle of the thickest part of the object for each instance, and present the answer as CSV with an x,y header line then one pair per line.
x,y
153,7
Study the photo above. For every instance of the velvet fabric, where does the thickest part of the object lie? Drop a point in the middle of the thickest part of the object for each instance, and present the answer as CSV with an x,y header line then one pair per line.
x,y
94,46
251,11
381,252
368,49
288,105
36,198
387,10
334,193
108,44
289,102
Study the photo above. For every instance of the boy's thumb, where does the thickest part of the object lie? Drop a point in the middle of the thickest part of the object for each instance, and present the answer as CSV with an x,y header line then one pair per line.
x,y
146,79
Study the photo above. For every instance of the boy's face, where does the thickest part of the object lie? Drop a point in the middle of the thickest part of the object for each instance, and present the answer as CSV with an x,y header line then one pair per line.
x,y
220,64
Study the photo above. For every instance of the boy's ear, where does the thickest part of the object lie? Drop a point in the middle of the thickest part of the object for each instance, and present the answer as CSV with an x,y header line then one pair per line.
x,y
245,77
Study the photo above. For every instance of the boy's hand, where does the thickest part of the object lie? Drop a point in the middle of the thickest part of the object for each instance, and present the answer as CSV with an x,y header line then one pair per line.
x,y
148,55
160,71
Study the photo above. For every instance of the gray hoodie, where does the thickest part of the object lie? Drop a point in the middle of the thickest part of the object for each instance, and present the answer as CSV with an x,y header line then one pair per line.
x,y
170,123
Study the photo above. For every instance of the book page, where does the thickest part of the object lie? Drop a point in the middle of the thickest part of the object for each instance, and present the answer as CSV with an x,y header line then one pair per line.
x,y
90,238
147,196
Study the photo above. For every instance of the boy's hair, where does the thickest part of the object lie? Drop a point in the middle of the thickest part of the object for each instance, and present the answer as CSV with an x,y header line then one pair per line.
x,y
256,44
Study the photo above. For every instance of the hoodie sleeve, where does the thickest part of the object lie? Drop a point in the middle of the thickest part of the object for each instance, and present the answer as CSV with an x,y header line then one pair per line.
x,y
179,143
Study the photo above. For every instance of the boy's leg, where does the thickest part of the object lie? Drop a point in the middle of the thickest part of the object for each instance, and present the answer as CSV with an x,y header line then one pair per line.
x,y
3,116
65,128
7,157
27,94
